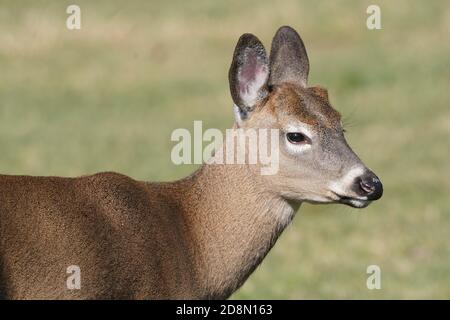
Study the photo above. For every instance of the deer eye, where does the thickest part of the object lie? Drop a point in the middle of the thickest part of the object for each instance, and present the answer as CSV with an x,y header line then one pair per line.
x,y
297,138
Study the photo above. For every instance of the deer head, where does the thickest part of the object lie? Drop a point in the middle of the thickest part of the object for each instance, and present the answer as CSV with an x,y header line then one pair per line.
x,y
316,164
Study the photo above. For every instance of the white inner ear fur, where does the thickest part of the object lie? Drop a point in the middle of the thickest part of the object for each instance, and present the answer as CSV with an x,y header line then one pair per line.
x,y
237,115
303,129
342,186
250,89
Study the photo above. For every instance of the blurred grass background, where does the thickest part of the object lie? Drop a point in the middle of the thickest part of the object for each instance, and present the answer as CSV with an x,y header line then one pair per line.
x,y
108,96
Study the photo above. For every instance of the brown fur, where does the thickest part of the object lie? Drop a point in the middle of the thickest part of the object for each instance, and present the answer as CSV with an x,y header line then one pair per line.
x,y
105,224
303,104
133,240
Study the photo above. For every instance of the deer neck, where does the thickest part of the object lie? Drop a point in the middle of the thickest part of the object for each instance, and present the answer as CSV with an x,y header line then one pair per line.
x,y
234,220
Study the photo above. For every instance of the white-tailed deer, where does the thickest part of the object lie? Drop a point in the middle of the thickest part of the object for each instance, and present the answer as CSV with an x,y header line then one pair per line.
x,y
202,236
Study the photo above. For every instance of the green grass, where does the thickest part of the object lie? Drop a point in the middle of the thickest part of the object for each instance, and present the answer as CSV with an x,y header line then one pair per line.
x,y
108,96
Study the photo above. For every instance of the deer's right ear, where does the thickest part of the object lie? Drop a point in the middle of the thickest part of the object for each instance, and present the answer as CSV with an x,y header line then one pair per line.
x,y
248,74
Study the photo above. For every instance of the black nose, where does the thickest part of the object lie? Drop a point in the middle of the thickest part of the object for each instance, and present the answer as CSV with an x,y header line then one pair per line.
x,y
370,186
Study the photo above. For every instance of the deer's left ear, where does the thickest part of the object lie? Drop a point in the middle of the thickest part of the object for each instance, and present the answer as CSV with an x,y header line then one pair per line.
x,y
248,73
288,58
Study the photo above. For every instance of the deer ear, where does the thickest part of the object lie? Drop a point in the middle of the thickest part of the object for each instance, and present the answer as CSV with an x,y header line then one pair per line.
x,y
288,58
248,73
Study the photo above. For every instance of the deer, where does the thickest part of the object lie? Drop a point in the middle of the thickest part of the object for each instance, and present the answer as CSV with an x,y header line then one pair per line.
x,y
200,237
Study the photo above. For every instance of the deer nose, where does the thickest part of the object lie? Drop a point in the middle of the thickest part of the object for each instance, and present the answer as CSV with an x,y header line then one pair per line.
x,y
370,186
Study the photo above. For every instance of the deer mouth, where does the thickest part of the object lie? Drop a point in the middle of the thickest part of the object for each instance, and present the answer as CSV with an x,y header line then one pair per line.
x,y
354,202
